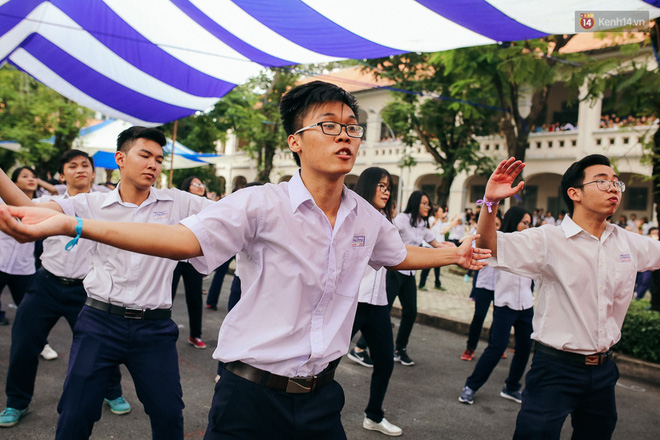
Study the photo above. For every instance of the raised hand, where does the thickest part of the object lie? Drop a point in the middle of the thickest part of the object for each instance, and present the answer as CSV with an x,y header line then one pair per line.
x,y
469,257
499,185
30,223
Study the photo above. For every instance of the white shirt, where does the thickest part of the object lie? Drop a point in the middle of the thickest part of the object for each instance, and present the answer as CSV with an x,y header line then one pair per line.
x,y
372,288
584,284
457,232
299,276
126,278
412,235
486,278
512,291
16,258
438,230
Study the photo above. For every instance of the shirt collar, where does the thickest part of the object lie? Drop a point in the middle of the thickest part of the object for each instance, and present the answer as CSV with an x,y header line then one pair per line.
x,y
299,194
154,196
571,228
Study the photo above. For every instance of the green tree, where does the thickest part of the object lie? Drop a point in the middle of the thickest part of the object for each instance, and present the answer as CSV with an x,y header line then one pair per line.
x,y
31,113
510,71
436,113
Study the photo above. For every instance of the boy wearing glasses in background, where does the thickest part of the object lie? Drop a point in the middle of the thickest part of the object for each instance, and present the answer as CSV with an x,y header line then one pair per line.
x,y
585,272
303,247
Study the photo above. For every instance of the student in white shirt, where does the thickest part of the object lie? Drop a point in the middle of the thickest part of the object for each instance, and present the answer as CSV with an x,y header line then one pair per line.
x,y
303,247
513,308
17,259
585,274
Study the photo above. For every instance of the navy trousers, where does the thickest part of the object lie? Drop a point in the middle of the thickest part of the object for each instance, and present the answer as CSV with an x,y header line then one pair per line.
x,y
17,284
192,283
482,299
554,389
45,302
216,285
102,341
243,410
405,288
503,319
376,327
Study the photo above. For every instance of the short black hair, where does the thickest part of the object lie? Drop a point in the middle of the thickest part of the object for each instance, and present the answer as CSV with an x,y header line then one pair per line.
x,y
574,175
298,101
127,138
69,155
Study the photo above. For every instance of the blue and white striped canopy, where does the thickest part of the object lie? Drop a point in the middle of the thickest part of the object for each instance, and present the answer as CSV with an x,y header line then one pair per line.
x,y
154,61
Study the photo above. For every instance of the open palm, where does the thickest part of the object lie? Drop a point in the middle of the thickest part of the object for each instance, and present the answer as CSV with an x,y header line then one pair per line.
x,y
499,185
35,223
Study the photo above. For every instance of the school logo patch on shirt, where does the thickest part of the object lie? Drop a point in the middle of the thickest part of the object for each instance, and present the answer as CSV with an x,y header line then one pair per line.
x,y
358,241
161,215
625,258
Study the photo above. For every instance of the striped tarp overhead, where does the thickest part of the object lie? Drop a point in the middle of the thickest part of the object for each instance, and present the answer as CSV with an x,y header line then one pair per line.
x,y
154,61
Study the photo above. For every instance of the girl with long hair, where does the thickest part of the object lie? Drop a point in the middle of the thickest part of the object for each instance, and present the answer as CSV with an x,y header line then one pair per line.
x,y
373,316
513,307
413,228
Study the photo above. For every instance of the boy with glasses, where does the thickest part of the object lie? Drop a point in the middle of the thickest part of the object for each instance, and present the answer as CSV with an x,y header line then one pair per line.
x,y
303,247
585,272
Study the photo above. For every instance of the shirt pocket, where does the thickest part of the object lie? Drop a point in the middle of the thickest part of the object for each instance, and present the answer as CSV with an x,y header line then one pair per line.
x,y
350,274
624,278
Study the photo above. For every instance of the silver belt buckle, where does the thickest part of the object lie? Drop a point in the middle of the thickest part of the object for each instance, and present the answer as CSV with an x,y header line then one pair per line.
x,y
134,313
298,385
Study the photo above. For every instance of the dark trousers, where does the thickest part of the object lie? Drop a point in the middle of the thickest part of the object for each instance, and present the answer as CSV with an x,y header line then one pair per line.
x,y
376,327
192,283
102,341
45,302
243,410
424,275
17,284
405,288
554,389
216,285
503,319
482,299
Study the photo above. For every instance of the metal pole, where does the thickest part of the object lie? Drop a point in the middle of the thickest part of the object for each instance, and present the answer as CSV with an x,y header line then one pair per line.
x,y
169,184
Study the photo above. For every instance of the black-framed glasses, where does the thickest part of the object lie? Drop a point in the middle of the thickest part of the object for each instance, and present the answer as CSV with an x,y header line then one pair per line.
x,y
384,188
605,185
198,185
334,129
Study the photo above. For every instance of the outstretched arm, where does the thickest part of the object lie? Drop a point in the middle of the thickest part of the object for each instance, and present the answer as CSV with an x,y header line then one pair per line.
x,y
168,241
498,188
465,256
12,195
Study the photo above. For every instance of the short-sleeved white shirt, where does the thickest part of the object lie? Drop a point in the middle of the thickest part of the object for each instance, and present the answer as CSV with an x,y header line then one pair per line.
x,y
16,258
412,235
126,278
585,284
299,275
512,291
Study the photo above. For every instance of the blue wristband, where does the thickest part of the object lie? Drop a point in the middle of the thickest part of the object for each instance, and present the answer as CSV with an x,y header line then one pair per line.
x,y
74,242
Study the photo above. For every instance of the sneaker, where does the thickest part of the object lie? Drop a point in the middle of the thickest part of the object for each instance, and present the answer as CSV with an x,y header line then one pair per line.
x,y
197,342
48,353
384,426
402,356
423,288
504,356
209,306
516,396
467,396
466,278
361,357
10,416
467,355
119,405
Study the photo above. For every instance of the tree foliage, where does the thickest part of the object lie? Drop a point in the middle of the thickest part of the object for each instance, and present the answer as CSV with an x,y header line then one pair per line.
x,y
30,113
437,114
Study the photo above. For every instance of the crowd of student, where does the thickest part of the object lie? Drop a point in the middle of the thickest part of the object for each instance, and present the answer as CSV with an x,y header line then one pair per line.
x,y
302,300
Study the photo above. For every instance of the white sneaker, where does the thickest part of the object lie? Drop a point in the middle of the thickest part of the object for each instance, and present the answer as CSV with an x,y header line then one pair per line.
x,y
384,426
48,353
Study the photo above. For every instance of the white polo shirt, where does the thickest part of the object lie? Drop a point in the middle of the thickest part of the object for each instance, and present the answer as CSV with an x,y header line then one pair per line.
x,y
126,278
585,285
412,235
299,276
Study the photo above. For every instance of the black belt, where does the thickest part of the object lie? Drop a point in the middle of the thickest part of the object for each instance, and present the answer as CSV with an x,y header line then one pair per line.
x,y
574,358
64,280
129,313
295,385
